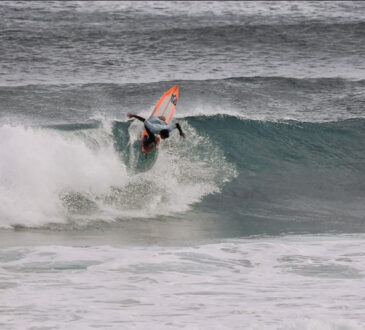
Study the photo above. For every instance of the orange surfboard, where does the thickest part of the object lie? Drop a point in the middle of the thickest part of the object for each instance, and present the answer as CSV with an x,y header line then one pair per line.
x,y
165,107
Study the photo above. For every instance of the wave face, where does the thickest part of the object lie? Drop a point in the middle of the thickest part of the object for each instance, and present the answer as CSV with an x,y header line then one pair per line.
x,y
297,174
261,177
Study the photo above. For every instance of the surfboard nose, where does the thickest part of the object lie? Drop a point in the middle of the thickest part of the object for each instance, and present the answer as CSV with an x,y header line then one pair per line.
x,y
175,90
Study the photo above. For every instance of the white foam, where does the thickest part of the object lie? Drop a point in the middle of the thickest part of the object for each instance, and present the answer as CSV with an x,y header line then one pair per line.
x,y
36,166
310,324
44,173
232,284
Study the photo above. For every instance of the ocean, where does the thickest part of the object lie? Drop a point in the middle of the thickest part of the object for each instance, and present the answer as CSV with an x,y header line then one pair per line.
x,y
256,220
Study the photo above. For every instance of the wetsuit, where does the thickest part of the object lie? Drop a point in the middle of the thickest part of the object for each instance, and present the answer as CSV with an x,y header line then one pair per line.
x,y
155,125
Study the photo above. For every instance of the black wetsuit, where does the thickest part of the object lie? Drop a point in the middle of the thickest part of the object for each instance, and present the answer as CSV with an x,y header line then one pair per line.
x,y
149,139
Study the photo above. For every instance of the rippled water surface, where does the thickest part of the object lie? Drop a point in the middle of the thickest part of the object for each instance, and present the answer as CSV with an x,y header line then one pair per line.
x,y
255,220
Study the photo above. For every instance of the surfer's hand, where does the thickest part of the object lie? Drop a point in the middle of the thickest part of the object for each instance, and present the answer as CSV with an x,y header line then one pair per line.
x,y
182,134
130,115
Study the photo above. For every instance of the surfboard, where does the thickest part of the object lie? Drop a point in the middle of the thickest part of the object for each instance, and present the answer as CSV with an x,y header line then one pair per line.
x,y
165,107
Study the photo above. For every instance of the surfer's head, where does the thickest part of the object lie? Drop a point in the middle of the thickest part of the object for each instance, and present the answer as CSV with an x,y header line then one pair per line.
x,y
164,134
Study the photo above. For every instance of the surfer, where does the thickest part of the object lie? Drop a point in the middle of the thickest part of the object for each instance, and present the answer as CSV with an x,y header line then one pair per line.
x,y
156,125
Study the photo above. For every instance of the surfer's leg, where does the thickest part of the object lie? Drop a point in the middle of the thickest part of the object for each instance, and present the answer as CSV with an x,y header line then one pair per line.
x,y
149,138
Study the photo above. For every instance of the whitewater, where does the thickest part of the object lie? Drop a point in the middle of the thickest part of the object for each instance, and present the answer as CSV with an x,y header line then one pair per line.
x,y
255,220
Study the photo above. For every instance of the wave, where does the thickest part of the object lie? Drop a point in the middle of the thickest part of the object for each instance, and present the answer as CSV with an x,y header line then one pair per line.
x,y
243,169
68,175
292,176
330,81
258,97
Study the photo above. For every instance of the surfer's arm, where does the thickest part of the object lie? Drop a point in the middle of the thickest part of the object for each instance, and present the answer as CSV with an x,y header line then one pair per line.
x,y
180,130
131,115
171,127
